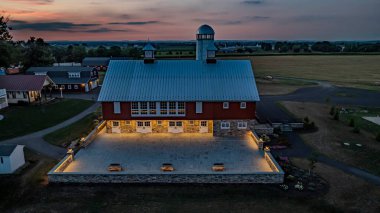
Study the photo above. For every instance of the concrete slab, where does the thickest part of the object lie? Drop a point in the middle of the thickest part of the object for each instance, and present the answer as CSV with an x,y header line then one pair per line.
x,y
189,154
375,119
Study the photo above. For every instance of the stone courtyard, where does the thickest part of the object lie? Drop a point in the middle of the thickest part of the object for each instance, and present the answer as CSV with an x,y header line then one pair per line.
x,y
189,153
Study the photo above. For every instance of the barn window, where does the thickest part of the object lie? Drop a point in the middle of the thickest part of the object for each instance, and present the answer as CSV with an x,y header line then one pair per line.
x,y
116,107
198,107
225,125
243,105
242,125
226,105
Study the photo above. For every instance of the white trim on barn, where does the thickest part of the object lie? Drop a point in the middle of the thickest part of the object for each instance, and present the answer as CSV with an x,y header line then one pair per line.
x,y
11,158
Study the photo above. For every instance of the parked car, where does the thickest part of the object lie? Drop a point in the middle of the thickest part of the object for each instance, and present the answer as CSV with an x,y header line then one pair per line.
x,y
115,167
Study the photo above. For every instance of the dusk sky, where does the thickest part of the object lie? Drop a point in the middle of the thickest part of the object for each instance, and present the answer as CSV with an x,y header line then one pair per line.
x,y
179,19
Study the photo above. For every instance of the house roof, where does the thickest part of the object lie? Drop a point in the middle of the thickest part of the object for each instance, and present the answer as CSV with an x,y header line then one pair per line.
x,y
59,69
65,80
149,47
95,61
179,80
7,149
22,82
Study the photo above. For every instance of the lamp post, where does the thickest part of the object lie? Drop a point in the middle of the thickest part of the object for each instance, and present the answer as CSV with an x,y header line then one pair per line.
x,y
61,91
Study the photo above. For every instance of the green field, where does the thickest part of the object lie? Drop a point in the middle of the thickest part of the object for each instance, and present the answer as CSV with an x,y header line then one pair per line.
x,y
72,132
360,122
22,120
362,71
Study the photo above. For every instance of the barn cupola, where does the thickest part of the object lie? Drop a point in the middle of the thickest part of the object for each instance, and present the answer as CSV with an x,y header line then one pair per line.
x,y
149,53
205,44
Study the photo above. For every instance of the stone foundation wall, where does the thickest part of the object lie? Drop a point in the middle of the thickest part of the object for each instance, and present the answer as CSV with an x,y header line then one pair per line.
x,y
162,128
166,178
233,130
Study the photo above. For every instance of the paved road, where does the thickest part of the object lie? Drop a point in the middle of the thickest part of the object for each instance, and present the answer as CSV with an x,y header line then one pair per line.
x,y
268,109
35,141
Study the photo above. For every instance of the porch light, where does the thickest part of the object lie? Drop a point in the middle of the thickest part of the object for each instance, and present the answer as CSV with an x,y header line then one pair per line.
x,y
267,149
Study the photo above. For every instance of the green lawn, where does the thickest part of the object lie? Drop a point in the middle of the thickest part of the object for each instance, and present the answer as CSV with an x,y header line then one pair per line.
x,y
362,123
22,120
72,132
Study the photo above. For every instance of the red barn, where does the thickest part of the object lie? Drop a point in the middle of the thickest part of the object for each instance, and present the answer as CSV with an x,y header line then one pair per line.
x,y
158,96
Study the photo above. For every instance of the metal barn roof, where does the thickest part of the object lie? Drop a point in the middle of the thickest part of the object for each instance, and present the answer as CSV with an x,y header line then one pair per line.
x,y
7,149
205,29
179,80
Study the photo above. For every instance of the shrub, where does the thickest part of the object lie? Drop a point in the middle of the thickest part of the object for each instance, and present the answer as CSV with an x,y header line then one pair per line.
x,y
378,137
356,130
352,122
332,110
336,116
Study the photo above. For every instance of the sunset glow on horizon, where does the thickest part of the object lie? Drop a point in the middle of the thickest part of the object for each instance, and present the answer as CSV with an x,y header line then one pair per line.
x,y
178,20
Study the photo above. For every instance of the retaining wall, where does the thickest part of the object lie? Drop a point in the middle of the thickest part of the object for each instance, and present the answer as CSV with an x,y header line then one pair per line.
x,y
265,178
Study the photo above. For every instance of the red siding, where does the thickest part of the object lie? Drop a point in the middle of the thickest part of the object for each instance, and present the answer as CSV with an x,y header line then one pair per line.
x,y
211,111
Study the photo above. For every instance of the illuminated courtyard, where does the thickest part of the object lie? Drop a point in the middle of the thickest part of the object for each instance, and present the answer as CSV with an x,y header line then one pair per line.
x,y
189,154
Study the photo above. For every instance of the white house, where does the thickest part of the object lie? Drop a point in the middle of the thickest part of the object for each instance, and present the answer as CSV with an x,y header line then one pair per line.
x,y
3,98
11,158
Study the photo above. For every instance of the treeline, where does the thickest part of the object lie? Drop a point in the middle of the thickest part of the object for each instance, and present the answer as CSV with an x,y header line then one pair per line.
x,y
76,53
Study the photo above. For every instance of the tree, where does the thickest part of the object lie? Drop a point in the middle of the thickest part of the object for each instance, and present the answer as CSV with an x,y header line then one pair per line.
x,y
59,54
78,53
336,115
37,53
101,51
4,29
115,51
332,110
352,122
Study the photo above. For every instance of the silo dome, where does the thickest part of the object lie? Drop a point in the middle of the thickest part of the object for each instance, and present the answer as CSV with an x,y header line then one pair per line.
x,y
205,30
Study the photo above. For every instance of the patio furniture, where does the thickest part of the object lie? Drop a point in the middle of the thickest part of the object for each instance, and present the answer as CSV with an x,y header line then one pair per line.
x,y
115,167
218,167
167,167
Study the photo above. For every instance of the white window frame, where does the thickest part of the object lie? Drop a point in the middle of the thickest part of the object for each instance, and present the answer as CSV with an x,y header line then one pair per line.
x,y
75,86
116,108
225,125
69,86
158,109
198,107
226,105
128,123
56,87
242,125
243,105
159,123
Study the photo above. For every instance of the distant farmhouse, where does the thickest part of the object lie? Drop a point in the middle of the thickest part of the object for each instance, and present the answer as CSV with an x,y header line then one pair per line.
x,y
69,78
11,158
26,88
3,99
100,63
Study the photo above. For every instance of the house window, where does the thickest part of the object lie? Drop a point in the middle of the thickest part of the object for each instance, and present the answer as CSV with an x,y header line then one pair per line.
x,y
135,108
198,107
172,108
115,123
143,108
56,87
116,107
75,86
204,123
24,94
74,74
225,125
191,123
152,108
128,123
163,108
181,108
140,123
242,125
69,86
171,123
226,105
243,105
159,123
